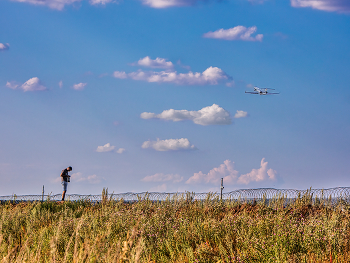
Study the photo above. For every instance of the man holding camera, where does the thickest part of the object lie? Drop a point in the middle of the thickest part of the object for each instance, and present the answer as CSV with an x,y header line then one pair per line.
x,y
65,180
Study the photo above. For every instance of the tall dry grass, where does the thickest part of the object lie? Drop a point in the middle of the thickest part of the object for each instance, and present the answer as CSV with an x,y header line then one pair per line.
x,y
179,230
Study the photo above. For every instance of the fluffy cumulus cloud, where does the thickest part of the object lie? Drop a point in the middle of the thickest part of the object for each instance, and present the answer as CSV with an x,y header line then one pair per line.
x,y
235,33
100,2
12,84
79,86
5,46
54,4
120,75
60,4
341,6
33,84
231,176
173,3
211,115
258,175
169,145
168,3
156,63
120,150
240,114
212,76
105,148
160,177
92,179
225,170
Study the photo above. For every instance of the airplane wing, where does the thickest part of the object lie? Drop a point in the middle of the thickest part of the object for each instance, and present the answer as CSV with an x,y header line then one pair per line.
x,y
272,93
252,92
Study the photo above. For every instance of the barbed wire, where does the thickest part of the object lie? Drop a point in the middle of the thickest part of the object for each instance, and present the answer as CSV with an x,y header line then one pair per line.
x,y
242,194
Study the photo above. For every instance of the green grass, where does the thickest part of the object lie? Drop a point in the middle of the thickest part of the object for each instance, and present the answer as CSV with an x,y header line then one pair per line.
x,y
178,230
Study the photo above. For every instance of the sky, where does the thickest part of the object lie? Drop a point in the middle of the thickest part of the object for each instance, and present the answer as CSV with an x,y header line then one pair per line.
x,y
149,95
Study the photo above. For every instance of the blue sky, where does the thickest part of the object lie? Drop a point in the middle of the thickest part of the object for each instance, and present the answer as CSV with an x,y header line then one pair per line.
x,y
149,95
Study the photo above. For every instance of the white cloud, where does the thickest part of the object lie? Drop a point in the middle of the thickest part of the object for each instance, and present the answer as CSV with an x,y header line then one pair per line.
x,y
240,114
100,2
33,84
149,115
105,148
173,3
169,145
160,177
79,86
235,33
231,176
211,115
257,1
60,84
120,150
225,170
156,63
257,175
54,4
12,84
341,6
5,46
92,179
168,3
120,74
212,76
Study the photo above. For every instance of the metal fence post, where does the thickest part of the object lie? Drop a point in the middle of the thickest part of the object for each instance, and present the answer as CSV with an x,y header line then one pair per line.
x,y
222,187
42,197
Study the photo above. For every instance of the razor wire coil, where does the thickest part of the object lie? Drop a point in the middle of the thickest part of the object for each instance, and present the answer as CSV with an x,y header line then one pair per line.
x,y
242,194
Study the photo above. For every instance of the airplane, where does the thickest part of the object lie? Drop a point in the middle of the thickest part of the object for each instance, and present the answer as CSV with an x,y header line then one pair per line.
x,y
262,91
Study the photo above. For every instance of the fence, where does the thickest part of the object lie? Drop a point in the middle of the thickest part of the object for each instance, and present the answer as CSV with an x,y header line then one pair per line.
x,y
243,194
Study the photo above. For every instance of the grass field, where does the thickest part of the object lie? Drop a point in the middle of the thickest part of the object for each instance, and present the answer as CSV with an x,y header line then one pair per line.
x,y
178,230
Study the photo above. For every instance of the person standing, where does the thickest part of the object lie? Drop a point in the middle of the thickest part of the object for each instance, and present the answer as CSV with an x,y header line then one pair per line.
x,y
65,179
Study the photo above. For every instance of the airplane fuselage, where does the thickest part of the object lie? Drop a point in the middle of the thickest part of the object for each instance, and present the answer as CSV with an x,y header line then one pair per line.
x,y
261,91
